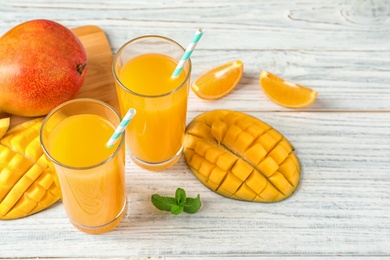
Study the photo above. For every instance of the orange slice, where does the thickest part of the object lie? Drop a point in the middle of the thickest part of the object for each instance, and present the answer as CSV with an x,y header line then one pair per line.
x,y
219,81
286,93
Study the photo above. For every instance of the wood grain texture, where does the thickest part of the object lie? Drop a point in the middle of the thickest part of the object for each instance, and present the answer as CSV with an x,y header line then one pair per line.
x,y
264,38
282,24
341,208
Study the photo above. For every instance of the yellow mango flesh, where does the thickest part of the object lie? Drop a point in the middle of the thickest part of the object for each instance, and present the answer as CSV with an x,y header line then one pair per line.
x,y
26,183
4,124
241,157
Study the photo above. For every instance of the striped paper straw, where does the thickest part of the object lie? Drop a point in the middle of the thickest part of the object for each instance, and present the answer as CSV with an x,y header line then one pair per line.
x,y
121,127
187,53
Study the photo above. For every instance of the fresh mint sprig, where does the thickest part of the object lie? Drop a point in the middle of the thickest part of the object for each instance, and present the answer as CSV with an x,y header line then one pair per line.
x,y
177,204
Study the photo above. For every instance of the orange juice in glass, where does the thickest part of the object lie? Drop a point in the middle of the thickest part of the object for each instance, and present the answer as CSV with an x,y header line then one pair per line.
x,y
142,69
91,176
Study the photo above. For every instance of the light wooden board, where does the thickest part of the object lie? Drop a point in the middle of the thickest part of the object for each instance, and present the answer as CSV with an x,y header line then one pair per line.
x,y
99,81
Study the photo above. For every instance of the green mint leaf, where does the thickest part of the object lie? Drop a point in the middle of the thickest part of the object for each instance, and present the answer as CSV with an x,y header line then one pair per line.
x,y
163,203
176,209
180,196
192,205
178,204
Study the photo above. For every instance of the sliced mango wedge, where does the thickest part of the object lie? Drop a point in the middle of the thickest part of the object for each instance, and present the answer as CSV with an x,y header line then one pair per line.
x,y
26,182
4,125
241,157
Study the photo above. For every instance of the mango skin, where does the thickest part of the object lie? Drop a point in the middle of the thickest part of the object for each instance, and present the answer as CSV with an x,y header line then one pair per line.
x,y
241,157
42,64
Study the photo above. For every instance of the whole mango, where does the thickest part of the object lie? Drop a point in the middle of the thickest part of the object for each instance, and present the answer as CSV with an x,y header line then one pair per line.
x,y
241,157
42,64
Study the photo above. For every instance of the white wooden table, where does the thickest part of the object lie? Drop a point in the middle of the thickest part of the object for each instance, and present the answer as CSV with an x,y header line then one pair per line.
x,y
341,48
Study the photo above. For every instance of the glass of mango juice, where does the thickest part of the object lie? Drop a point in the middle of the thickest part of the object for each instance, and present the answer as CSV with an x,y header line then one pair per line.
x,y
143,70
91,176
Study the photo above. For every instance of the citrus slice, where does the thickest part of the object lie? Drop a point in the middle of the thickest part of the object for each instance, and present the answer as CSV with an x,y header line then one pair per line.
x,y
219,81
286,93
4,124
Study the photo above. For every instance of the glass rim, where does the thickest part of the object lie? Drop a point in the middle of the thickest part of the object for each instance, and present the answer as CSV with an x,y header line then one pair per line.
x,y
143,95
48,116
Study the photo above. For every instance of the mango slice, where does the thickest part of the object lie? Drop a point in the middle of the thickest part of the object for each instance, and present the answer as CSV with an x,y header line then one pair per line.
x,y
26,182
241,157
4,124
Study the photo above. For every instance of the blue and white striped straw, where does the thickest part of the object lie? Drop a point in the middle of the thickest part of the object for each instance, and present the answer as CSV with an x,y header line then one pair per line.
x,y
187,53
121,127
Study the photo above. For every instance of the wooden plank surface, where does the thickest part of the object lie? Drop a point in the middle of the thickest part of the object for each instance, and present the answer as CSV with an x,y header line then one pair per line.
x,y
341,207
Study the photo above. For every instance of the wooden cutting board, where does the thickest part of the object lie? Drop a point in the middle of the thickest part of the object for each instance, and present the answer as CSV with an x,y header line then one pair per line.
x,y
99,81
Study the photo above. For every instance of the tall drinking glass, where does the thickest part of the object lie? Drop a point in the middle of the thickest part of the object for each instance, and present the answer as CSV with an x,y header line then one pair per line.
x,y
142,70
91,176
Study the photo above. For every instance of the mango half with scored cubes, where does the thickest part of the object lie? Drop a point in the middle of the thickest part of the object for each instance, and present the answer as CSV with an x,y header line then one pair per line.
x,y
26,182
241,157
